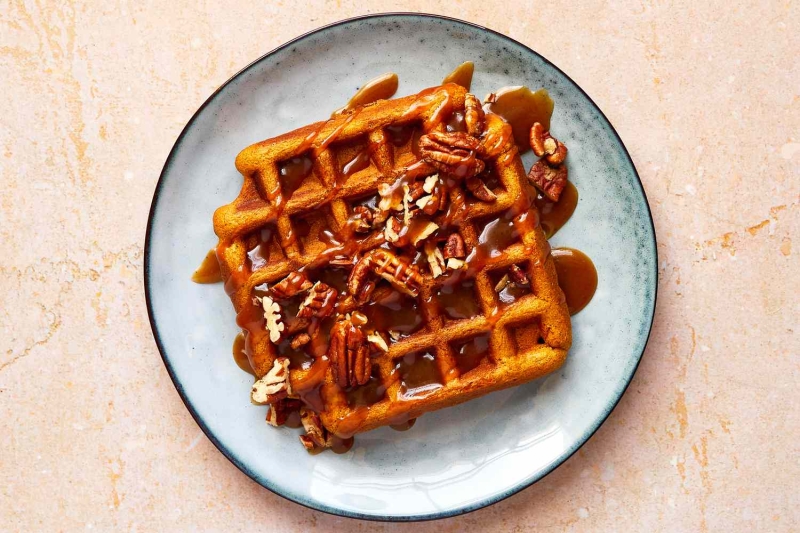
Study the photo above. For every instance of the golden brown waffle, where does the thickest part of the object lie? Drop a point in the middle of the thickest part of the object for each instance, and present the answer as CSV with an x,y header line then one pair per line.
x,y
426,369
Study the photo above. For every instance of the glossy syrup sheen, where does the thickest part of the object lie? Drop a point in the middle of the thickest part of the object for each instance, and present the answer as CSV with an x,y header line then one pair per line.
x,y
461,75
577,277
521,107
293,171
553,215
208,271
419,375
380,88
240,356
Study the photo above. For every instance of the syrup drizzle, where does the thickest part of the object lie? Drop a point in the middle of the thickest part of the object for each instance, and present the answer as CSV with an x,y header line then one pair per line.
x,y
208,271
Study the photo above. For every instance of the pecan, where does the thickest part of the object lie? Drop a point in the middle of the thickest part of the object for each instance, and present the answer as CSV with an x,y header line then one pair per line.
x,y
274,386
349,354
391,232
422,232
435,259
551,181
404,276
479,190
316,436
378,340
362,217
291,285
272,317
278,412
454,247
547,146
319,303
518,275
299,340
473,115
453,153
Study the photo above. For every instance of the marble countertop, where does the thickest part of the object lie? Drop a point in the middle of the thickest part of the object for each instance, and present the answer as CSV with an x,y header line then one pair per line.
x,y
705,95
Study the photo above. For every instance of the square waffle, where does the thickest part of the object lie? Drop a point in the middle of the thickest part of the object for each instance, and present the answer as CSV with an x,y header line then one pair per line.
x,y
460,336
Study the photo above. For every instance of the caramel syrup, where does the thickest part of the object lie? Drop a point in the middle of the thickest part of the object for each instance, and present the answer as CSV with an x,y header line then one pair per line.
x,y
208,271
470,354
553,215
419,375
293,171
462,75
577,277
456,297
404,426
240,356
359,162
380,88
521,107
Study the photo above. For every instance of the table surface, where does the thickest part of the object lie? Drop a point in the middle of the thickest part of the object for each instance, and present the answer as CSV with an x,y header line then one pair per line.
x,y
705,95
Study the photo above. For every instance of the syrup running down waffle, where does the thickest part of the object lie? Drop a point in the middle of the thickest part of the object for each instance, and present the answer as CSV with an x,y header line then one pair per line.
x,y
389,262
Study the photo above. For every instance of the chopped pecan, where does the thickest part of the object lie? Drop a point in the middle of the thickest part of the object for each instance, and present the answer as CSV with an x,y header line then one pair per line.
x,y
422,232
550,180
518,275
391,232
378,340
479,190
435,259
473,115
274,386
272,317
502,284
316,436
547,146
319,303
278,412
349,354
454,153
454,247
291,285
362,216
299,340
399,272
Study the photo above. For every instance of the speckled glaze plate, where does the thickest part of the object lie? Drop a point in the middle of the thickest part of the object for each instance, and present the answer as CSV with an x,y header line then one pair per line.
x,y
458,459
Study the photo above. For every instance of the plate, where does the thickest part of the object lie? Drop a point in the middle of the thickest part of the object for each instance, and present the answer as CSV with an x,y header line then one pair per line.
x,y
458,459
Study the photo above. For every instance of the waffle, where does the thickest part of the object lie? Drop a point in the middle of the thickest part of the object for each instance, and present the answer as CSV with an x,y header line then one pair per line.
x,y
282,224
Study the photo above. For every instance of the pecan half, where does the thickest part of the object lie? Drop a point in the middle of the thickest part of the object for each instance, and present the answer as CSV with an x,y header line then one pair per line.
x,y
479,190
319,303
518,275
291,285
349,354
473,115
454,247
274,386
550,180
454,153
404,276
362,217
547,146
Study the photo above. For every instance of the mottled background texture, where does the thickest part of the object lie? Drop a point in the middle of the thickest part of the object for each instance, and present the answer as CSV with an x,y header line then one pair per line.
x,y
706,95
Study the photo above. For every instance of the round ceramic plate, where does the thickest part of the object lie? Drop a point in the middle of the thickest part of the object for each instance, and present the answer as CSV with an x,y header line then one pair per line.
x,y
457,459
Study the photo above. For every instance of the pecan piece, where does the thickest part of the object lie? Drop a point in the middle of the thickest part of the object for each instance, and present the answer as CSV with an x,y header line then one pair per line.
x,y
551,181
454,247
479,190
299,340
291,285
473,115
279,412
319,303
435,259
518,275
349,354
454,153
316,436
272,317
404,276
362,217
274,386
547,146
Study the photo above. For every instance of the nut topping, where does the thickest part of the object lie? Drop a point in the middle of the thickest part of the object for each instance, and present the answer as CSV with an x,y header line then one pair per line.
x,y
291,285
435,259
550,180
479,190
363,219
301,339
544,145
453,153
518,275
278,412
349,354
391,232
378,341
319,303
316,435
402,275
473,115
454,247
274,386
272,316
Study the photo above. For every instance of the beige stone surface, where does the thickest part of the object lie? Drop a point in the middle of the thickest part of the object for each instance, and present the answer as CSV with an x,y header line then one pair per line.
x,y
706,96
